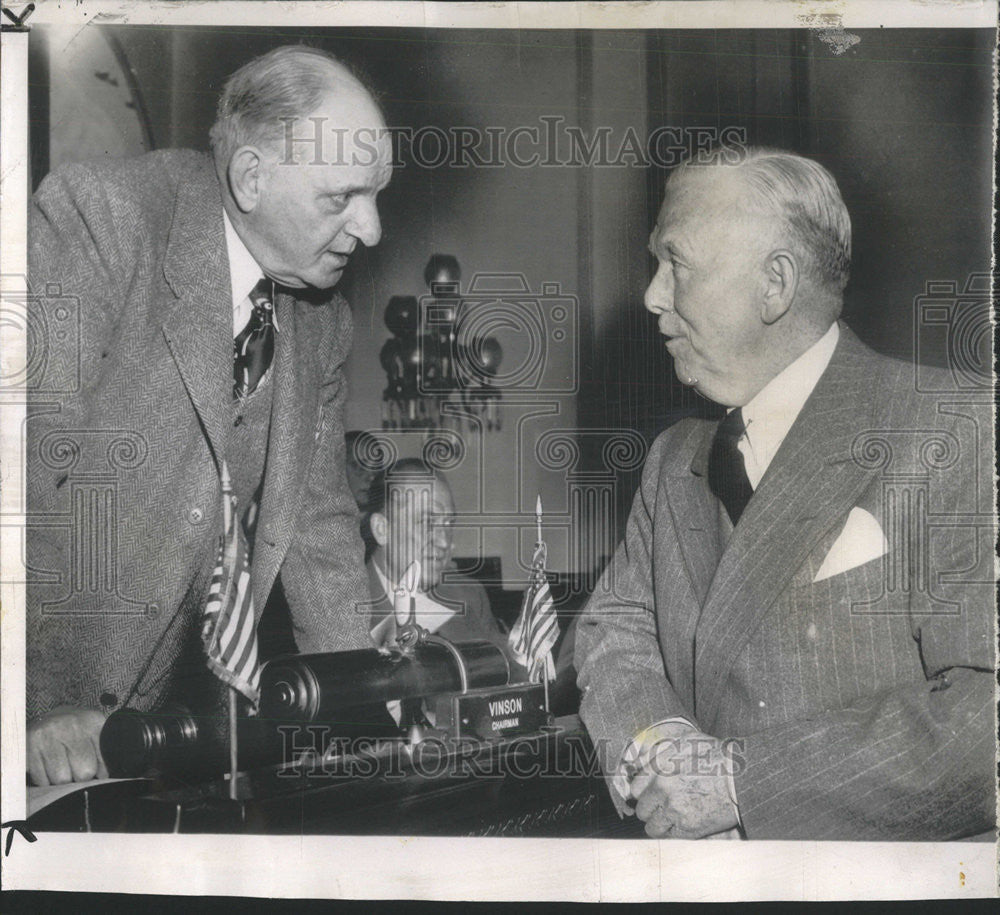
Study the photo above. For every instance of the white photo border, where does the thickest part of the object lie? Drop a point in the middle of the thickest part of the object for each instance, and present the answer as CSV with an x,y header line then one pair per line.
x,y
397,867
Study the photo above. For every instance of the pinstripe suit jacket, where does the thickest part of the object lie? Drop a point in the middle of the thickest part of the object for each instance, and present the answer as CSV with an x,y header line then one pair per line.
x,y
862,704
125,445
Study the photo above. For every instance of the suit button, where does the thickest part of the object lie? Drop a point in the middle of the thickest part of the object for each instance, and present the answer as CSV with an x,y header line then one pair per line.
x,y
109,700
238,421
196,516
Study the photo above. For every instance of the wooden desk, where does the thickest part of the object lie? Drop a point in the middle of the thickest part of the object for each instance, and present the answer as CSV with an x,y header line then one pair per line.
x,y
546,785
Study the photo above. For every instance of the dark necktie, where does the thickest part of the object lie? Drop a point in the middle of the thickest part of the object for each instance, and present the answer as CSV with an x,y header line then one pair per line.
x,y
253,347
727,475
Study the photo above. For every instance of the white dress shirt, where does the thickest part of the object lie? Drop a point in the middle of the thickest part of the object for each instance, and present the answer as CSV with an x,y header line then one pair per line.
x,y
774,409
429,613
244,274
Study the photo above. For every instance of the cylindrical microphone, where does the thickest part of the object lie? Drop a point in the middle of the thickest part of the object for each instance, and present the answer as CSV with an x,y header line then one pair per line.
x,y
170,739
325,687
344,691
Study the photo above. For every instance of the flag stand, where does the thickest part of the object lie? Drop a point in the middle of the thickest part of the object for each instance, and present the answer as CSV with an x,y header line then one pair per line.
x,y
537,628
228,629
540,546
233,747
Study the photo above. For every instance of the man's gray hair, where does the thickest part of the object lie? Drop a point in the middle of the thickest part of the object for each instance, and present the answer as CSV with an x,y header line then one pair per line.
x,y
287,82
806,197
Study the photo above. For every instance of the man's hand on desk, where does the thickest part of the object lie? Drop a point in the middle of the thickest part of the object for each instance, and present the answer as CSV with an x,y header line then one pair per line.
x,y
64,746
680,785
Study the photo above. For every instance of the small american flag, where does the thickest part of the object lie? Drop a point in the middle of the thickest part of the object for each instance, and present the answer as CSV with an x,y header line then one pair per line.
x,y
537,628
229,630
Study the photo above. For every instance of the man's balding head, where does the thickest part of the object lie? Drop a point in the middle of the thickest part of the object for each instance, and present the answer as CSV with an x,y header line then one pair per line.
x,y
753,254
799,202
301,150
289,82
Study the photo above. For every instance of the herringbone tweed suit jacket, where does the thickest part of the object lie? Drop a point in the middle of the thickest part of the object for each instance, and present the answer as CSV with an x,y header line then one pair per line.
x,y
124,449
862,704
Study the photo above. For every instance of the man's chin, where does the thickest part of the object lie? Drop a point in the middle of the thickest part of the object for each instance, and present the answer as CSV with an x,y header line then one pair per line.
x,y
431,578
326,281
684,376
321,281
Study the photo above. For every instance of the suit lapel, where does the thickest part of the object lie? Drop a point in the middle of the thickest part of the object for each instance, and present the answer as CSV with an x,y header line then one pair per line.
x,y
696,518
809,487
290,446
197,321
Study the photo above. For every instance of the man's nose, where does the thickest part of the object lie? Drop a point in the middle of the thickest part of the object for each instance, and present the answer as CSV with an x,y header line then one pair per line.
x,y
439,536
659,295
365,224
655,299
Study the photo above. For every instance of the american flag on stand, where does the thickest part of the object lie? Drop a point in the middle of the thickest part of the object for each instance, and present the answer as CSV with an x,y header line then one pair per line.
x,y
229,630
537,628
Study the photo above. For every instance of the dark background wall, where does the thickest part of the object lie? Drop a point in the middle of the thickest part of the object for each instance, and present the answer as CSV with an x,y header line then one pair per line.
x,y
902,118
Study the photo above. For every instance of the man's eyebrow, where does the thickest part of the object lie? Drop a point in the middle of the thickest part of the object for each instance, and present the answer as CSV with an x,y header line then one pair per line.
x,y
671,247
657,244
343,189
358,187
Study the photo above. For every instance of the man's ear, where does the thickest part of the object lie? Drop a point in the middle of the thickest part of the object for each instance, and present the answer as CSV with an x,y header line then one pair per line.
x,y
781,283
380,528
245,175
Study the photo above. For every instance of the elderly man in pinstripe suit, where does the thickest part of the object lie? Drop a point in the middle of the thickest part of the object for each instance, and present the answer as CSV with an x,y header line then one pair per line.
x,y
780,648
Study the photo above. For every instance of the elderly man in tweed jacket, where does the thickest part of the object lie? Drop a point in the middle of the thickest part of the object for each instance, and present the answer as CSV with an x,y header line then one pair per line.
x,y
171,256
796,637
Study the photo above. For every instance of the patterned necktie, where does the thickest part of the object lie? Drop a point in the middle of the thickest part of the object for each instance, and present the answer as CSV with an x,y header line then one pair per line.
x,y
253,347
727,475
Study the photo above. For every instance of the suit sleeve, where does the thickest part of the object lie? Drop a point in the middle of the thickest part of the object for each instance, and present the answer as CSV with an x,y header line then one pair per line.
x,y
620,668
915,762
324,573
72,244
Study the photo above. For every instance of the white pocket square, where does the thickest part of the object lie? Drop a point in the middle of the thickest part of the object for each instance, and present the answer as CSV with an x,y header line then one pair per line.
x,y
859,542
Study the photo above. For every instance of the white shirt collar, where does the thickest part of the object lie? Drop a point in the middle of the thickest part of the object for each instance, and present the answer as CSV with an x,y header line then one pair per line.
x,y
771,413
429,613
244,274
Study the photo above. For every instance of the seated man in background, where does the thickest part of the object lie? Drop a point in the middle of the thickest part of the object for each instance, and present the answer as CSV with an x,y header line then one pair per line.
x,y
411,517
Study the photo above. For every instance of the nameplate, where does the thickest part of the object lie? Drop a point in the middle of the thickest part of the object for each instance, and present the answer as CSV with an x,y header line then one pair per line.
x,y
485,714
